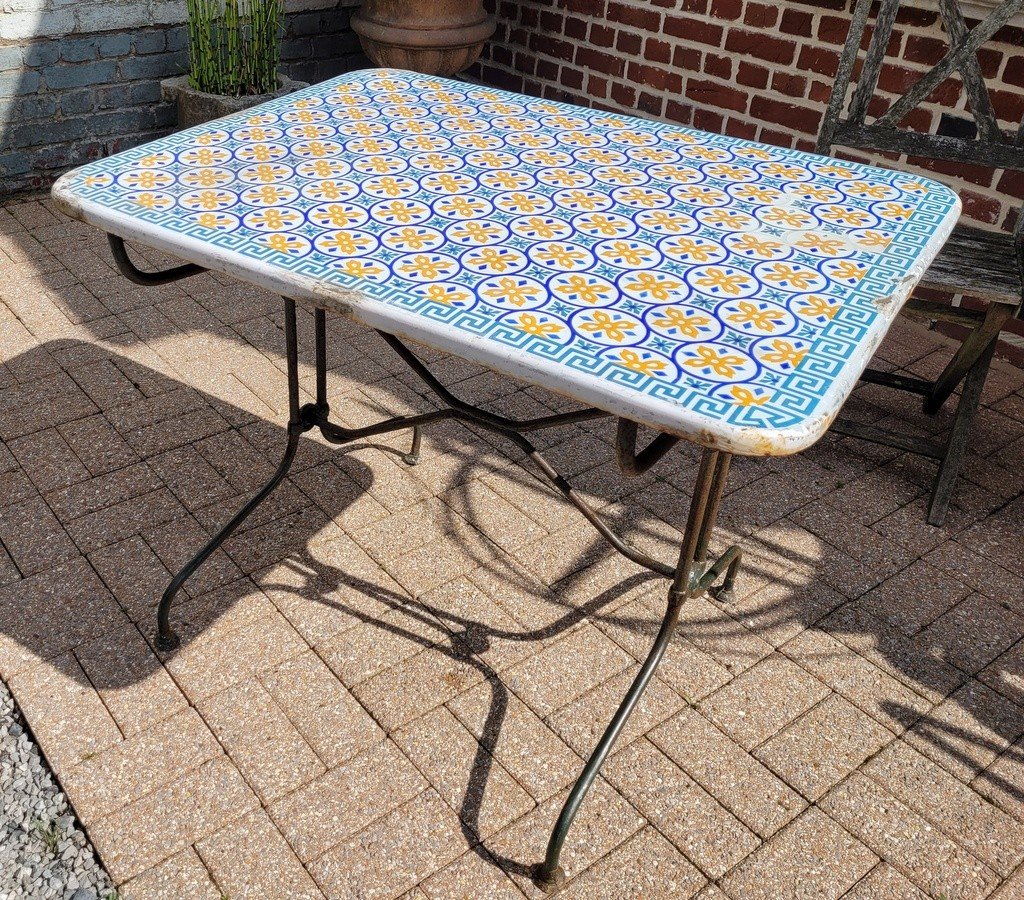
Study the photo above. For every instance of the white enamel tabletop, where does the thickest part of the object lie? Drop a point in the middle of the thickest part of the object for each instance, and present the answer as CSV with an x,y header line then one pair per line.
x,y
722,290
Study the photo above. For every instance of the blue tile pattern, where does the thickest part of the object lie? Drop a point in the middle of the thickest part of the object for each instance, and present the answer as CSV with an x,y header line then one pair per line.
x,y
732,279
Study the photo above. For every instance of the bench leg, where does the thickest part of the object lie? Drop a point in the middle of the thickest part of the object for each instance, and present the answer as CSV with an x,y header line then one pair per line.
x,y
692,578
959,435
166,639
967,355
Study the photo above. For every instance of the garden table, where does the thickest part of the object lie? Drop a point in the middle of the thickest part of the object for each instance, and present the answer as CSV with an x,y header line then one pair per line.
x,y
720,291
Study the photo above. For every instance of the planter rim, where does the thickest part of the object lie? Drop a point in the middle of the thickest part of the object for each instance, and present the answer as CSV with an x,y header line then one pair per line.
x,y
463,36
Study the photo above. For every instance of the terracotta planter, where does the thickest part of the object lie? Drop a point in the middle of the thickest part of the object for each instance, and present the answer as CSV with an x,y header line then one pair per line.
x,y
436,37
196,107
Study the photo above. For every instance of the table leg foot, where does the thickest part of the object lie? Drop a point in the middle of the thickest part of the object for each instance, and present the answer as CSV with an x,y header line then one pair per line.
x,y
549,881
413,456
167,641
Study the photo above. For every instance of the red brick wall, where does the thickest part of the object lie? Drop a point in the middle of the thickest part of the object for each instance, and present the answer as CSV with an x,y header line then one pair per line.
x,y
746,68
752,69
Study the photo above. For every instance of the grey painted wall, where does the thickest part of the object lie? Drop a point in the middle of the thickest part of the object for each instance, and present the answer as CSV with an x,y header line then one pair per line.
x,y
81,79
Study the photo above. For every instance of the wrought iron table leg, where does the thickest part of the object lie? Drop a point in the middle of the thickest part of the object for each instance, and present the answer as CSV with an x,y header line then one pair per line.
x,y
690,579
166,639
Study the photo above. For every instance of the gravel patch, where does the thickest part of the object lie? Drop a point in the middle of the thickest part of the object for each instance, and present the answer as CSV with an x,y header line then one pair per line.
x,y
44,854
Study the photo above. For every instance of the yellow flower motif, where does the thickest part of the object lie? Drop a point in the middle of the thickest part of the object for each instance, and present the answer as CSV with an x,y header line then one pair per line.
x,y
726,283
561,255
746,397
786,217
581,200
462,206
748,243
511,291
655,287
719,362
600,223
761,319
399,212
424,266
848,270
633,360
409,238
344,242
843,216
816,307
640,197
149,200
863,189
625,252
494,259
668,222
690,249
439,294
614,328
283,243
895,211
687,325
785,353
532,325
540,227
265,173
785,273
583,290
812,241
874,240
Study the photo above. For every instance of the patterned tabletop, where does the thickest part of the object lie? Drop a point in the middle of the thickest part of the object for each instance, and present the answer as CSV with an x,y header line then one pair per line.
x,y
723,290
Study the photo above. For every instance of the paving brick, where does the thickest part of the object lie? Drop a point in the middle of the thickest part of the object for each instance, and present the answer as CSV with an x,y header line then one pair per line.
x,y
729,773
976,825
34,537
111,779
566,670
581,724
763,700
968,731
884,882
647,865
474,874
395,853
465,775
165,822
705,831
880,695
905,839
65,713
131,681
325,713
604,822
258,737
915,597
52,612
432,677
811,857
183,875
690,672
211,661
518,739
973,633
823,746
337,805
250,860
48,460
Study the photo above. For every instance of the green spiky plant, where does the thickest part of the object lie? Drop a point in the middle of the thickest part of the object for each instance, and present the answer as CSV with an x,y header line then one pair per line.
x,y
234,45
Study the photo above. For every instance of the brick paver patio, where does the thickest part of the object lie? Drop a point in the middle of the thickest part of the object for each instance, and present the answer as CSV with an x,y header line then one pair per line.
x,y
388,678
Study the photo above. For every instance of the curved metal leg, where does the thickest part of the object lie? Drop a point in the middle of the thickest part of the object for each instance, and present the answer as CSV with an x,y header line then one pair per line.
x,y
689,580
166,639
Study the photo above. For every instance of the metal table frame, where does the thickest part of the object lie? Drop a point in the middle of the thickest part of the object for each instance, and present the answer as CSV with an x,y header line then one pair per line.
x,y
693,574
